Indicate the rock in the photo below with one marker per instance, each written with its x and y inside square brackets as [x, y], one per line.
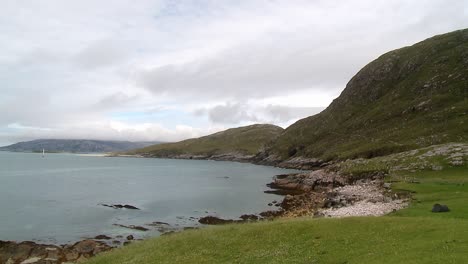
[127, 206]
[271, 214]
[157, 223]
[140, 228]
[130, 237]
[90, 248]
[85, 246]
[71, 255]
[440, 208]
[54, 253]
[387, 185]
[298, 183]
[15, 252]
[30, 252]
[249, 217]
[31, 260]
[102, 237]
[120, 206]
[213, 220]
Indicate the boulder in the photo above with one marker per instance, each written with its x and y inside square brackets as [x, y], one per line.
[440, 208]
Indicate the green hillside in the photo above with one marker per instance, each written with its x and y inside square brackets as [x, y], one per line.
[411, 235]
[246, 140]
[407, 98]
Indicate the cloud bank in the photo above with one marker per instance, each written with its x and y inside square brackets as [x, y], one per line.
[169, 70]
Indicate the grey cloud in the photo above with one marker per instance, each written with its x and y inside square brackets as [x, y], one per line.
[282, 114]
[230, 114]
[319, 54]
[67, 64]
[237, 113]
[115, 100]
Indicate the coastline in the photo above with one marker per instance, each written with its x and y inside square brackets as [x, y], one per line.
[319, 193]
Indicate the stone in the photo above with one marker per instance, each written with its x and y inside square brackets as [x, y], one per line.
[130, 237]
[31, 260]
[440, 208]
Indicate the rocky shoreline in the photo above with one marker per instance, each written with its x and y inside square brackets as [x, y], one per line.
[326, 193]
[28, 252]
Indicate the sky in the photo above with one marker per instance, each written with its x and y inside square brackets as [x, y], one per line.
[167, 70]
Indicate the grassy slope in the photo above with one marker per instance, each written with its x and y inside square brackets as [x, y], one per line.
[412, 235]
[411, 97]
[350, 240]
[246, 140]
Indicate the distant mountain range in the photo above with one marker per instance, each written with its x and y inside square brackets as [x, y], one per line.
[75, 146]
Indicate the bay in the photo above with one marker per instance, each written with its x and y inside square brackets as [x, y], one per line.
[57, 199]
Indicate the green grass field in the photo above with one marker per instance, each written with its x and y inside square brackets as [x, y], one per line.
[412, 235]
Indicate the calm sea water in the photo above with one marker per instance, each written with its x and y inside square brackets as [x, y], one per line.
[56, 199]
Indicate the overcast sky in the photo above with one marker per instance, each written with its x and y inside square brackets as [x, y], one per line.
[168, 70]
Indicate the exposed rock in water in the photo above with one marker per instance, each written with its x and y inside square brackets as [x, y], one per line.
[140, 228]
[30, 252]
[440, 208]
[158, 223]
[120, 206]
[130, 237]
[102, 237]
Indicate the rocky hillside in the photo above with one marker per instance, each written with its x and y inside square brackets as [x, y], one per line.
[74, 146]
[406, 99]
[233, 144]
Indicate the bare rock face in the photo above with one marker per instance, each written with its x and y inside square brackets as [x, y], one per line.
[301, 163]
[310, 181]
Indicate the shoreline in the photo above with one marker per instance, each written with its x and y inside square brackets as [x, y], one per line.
[318, 193]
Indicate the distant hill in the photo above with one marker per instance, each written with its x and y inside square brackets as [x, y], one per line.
[75, 146]
[232, 144]
[407, 98]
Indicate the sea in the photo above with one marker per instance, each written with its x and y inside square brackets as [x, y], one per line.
[58, 198]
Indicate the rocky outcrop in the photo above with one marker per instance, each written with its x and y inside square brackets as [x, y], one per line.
[301, 163]
[32, 253]
[310, 181]
[330, 193]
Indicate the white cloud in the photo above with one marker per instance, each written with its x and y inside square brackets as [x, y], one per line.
[69, 69]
